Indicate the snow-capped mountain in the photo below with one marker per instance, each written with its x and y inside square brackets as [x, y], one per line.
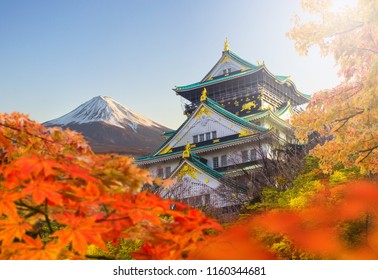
[109, 126]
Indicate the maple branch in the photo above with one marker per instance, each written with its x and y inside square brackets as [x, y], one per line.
[30, 134]
[35, 209]
[370, 150]
[360, 24]
[47, 218]
[112, 220]
[108, 214]
[98, 257]
[27, 132]
[346, 119]
[369, 50]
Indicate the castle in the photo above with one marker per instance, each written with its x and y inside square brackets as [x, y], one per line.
[237, 115]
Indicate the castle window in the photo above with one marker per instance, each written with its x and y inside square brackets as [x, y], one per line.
[197, 201]
[214, 134]
[167, 171]
[224, 160]
[160, 172]
[244, 155]
[204, 137]
[208, 136]
[215, 162]
[207, 199]
[253, 155]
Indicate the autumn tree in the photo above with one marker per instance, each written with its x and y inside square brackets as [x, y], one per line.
[58, 200]
[337, 222]
[347, 115]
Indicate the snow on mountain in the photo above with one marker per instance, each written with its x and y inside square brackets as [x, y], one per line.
[107, 110]
[110, 127]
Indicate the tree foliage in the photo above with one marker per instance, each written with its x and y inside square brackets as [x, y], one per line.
[346, 115]
[337, 223]
[57, 199]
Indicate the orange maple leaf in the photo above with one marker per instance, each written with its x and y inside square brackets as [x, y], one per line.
[7, 206]
[11, 228]
[80, 232]
[42, 190]
[35, 249]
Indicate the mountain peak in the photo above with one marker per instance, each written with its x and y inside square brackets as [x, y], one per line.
[104, 109]
[103, 97]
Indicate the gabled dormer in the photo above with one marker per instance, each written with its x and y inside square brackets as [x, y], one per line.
[195, 181]
[208, 124]
[229, 63]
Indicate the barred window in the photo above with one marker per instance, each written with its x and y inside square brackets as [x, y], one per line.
[214, 134]
[208, 136]
[160, 172]
[253, 154]
[215, 162]
[167, 171]
[244, 155]
[204, 136]
[224, 160]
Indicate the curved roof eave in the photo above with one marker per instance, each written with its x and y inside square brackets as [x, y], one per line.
[215, 81]
[280, 79]
[286, 79]
[267, 113]
[169, 156]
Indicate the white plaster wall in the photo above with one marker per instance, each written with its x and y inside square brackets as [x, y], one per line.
[220, 196]
[234, 154]
[204, 124]
[153, 168]
[286, 116]
[225, 65]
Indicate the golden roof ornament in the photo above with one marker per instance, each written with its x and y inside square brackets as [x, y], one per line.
[226, 45]
[186, 152]
[260, 63]
[203, 95]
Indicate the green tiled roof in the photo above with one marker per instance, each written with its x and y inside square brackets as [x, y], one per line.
[149, 157]
[169, 133]
[199, 164]
[196, 161]
[246, 168]
[268, 112]
[224, 78]
[282, 78]
[251, 68]
[256, 115]
[211, 172]
[282, 110]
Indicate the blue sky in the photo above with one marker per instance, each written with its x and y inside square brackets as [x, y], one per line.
[55, 55]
